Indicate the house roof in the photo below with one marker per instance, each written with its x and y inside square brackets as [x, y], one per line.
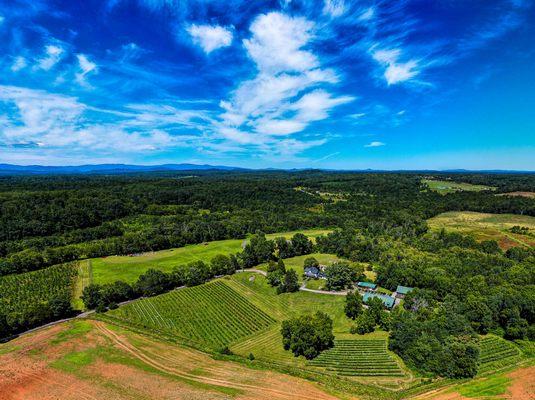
[367, 285]
[403, 289]
[387, 300]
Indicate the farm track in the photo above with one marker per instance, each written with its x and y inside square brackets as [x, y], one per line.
[151, 360]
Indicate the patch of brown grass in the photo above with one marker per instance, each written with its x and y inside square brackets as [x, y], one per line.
[138, 368]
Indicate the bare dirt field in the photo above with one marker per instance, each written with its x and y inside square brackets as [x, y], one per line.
[93, 360]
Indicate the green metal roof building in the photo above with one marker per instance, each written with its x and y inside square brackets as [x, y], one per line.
[367, 285]
[387, 300]
[403, 289]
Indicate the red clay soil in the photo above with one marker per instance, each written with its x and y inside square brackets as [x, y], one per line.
[168, 372]
[523, 386]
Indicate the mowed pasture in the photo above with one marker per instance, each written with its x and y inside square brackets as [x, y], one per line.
[445, 187]
[359, 357]
[129, 268]
[484, 226]
[212, 315]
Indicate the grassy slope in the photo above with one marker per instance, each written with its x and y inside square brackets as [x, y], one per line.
[445, 187]
[485, 226]
[109, 269]
[267, 345]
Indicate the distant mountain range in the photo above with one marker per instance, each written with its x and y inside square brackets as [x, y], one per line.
[10, 169]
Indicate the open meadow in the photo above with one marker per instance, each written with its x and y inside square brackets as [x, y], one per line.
[128, 268]
[445, 187]
[484, 226]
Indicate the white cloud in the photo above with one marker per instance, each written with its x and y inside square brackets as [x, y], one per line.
[396, 72]
[210, 37]
[2, 19]
[283, 98]
[58, 122]
[53, 54]
[18, 64]
[334, 8]
[367, 15]
[375, 144]
[277, 41]
[86, 67]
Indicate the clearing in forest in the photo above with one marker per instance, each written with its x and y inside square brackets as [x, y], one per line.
[129, 268]
[529, 195]
[445, 187]
[212, 315]
[484, 226]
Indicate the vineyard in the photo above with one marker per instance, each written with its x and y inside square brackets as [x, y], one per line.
[19, 293]
[367, 357]
[496, 352]
[212, 314]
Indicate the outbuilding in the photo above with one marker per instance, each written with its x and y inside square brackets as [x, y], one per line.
[367, 286]
[388, 301]
[401, 291]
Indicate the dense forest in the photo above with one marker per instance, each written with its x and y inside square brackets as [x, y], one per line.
[463, 287]
[49, 220]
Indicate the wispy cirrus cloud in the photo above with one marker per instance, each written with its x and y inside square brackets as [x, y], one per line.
[53, 54]
[86, 67]
[18, 63]
[55, 122]
[375, 144]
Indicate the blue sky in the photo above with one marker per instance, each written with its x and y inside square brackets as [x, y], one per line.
[334, 84]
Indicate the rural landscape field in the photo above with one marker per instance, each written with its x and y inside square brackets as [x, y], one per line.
[235, 292]
[267, 199]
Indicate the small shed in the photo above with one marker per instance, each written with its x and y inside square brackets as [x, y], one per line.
[386, 299]
[401, 291]
[367, 286]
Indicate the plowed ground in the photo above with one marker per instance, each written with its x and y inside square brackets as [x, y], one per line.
[105, 362]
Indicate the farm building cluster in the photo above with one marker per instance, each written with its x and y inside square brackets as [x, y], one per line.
[370, 290]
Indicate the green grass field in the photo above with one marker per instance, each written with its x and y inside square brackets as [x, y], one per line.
[359, 357]
[128, 268]
[212, 314]
[485, 226]
[297, 263]
[445, 187]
